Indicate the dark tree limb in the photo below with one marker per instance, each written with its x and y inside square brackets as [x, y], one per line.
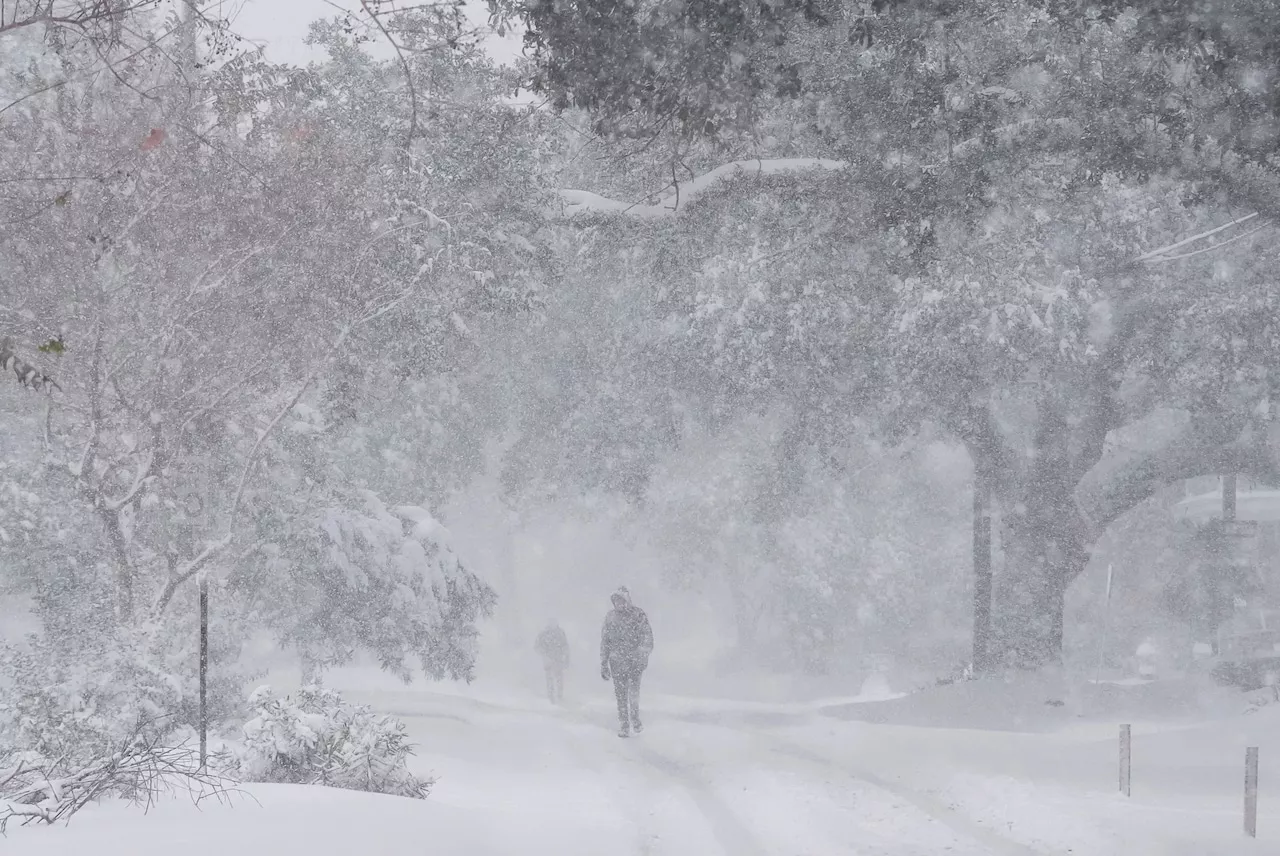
[1211, 443]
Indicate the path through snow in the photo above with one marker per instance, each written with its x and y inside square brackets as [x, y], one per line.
[679, 789]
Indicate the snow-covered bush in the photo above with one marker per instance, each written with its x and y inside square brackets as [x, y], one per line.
[1267, 696]
[77, 705]
[76, 702]
[316, 738]
[78, 724]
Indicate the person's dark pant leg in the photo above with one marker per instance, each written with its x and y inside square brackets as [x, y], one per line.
[621, 685]
[633, 697]
[551, 683]
[558, 683]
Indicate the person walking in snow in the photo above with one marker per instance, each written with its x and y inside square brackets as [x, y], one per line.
[626, 641]
[553, 646]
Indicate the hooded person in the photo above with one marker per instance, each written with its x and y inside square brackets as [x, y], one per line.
[553, 646]
[626, 641]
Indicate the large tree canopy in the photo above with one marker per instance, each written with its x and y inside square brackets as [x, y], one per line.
[999, 217]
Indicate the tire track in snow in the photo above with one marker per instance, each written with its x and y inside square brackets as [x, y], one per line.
[957, 822]
[733, 838]
[756, 725]
[831, 812]
[645, 836]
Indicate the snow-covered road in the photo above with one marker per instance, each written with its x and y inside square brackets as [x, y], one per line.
[709, 777]
[681, 788]
[750, 779]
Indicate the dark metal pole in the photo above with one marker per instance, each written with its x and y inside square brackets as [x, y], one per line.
[204, 671]
[981, 570]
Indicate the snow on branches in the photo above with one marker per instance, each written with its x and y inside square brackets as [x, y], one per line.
[27, 374]
[383, 580]
[578, 202]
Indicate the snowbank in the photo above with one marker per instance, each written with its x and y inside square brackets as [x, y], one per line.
[272, 820]
[1058, 792]
[1045, 703]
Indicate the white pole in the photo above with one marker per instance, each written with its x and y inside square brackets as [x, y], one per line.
[1126, 757]
[1106, 625]
[1251, 791]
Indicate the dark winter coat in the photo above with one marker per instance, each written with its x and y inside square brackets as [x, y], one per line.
[626, 640]
[553, 645]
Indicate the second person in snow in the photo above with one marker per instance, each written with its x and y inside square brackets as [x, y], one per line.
[553, 646]
[626, 641]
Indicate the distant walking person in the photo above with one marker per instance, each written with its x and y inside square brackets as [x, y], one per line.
[553, 646]
[626, 641]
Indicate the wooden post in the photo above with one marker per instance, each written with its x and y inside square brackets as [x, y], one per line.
[1229, 498]
[981, 570]
[204, 671]
[1251, 791]
[1126, 755]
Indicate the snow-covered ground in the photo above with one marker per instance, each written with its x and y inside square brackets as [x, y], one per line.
[710, 777]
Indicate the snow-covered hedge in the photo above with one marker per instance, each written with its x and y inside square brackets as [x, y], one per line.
[315, 737]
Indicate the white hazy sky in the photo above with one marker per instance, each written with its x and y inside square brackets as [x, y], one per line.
[281, 25]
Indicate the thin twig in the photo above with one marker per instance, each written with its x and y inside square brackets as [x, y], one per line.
[408, 74]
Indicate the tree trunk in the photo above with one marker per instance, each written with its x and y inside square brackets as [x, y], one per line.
[1041, 559]
[312, 673]
[746, 617]
[981, 571]
[124, 568]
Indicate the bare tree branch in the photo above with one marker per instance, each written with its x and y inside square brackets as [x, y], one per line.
[140, 768]
[78, 15]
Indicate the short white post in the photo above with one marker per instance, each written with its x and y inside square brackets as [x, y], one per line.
[1251, 791]
[1126, 754]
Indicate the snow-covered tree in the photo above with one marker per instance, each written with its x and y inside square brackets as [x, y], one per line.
[966, 240]
[372, 579]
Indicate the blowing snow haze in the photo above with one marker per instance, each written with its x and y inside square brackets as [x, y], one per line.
[685, 428]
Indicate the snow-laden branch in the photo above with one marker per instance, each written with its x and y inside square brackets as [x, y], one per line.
[189, 569]
[1161, 254]
[575, 202]
[578, 202]
[141, 477]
